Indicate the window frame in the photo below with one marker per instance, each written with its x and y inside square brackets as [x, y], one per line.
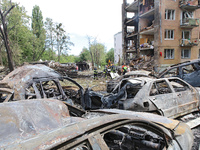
[184, 33]
[182, 53]
[168, 37]
[199, 53]
[171, 54]
[172, 14]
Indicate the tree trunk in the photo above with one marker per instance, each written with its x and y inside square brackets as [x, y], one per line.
[1, 61]
[6, 43]
[4, 33]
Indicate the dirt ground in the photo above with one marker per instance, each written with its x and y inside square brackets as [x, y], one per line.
[98, 85]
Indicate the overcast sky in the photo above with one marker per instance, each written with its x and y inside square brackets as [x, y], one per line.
[96, 18]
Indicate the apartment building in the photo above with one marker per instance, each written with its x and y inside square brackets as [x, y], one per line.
[118, 53]
[166, 30]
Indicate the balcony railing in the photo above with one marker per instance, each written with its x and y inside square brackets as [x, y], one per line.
[189, 5]
[189, 22]
[189, 42]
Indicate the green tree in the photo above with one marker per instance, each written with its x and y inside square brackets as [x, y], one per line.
[39, 32]
[5, 8]
[85, 55]
[99, 53]
[50, 37]
[20, 35]
[63, 41]
[71, 58]
[110, 55]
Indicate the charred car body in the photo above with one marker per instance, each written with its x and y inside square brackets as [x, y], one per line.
[170, 97]
[133, 74]
[189, 71]
[38, 82]
[51, 127]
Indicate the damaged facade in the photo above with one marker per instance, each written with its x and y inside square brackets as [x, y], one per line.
[164, 29]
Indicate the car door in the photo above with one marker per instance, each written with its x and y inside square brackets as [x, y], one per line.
[187, 96]
[163, 98]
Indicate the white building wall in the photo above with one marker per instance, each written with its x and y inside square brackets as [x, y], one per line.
[118, 48]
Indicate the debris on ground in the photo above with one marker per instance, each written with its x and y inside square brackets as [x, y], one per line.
[3, 72]
[145, 62]
[65, 69]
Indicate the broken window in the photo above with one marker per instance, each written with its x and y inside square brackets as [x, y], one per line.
[169, 34]
[43, 89]
[50, 88]
[160, 87]
[169, 54]
[187, 14]
[188, 69]
[4, 96]
[30, 93]
[169, 14]
[132, 90]
[172, 73]
[178, 85]
[187, 18]
[185, 53]
[70, 89]
[134, 136]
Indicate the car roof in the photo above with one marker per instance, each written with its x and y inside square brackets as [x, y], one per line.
[22, 76]
[26, 73]
[23, 119]
[139, 72]
[180, 65]
[139, 79]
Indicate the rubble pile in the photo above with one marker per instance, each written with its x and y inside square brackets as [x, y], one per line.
[65, 69]
[144, 62]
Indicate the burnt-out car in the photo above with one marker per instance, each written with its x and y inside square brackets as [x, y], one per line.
[132, 74]
[189, 71]
[170, 97]
[38, 82]
[46, 124]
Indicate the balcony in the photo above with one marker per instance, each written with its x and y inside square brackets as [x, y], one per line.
[132, 21]
[147, 46]
[148, 31]
[189, 5]
[133, 7]
[148, 13]
[189, 23]
[146, 7]
[189, 42]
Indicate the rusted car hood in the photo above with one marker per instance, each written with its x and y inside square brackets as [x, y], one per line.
[167, 122]
[24, 119]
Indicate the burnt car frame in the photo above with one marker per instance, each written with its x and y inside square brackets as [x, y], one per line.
[189, 71]
[38, 82]
[110, 85]
[51, 127]
[170, 97]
